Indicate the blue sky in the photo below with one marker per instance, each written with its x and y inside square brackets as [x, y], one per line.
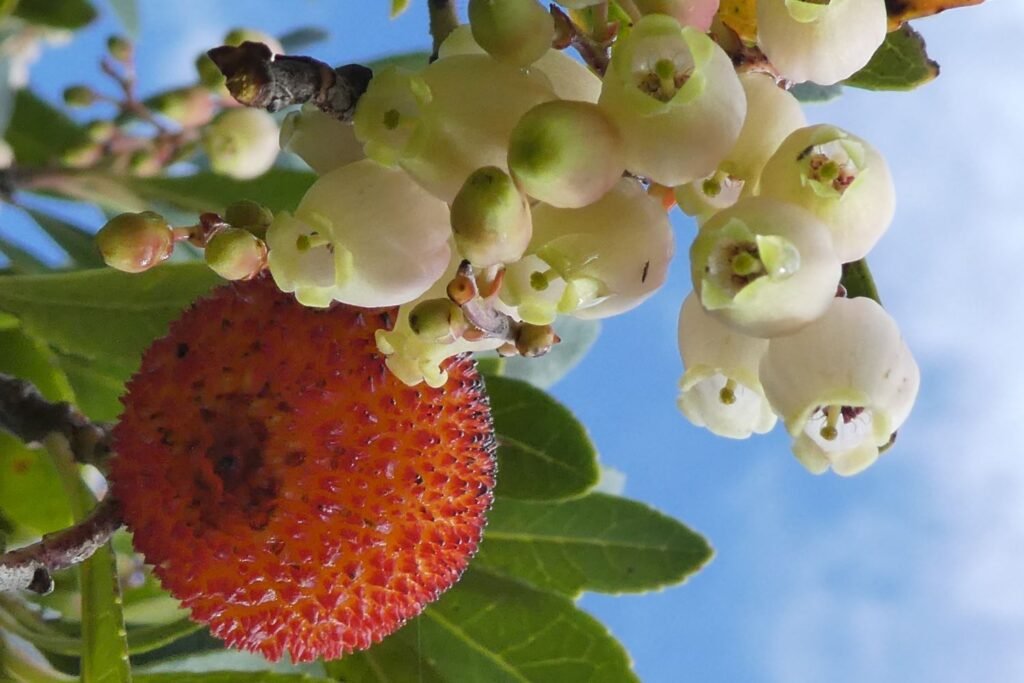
[908, 572]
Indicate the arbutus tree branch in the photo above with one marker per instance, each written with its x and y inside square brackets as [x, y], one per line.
[31, 567]
[256, 77]
[26, 414]
[443, 20]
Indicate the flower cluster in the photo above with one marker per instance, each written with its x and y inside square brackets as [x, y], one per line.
[506, 184]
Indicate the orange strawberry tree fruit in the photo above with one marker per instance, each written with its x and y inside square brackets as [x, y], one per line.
[297, 408]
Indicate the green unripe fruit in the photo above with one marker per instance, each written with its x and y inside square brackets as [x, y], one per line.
[518, 32]
[120, 48]
[247, 214]
[100, 131]
[135, 242]
[191, 107]
[566, 154]
[236, 254]
[491, 219]
[241, 143]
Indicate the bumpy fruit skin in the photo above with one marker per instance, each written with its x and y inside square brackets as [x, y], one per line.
[287, 488]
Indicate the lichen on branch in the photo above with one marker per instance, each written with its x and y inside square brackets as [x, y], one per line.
[256, 77]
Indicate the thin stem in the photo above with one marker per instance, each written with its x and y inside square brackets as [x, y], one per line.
[443, 20]
[30, 568]
[630, 8]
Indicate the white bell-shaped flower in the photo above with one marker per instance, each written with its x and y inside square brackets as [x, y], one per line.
[720, 388]
[764, 267]
[452, 118]
[843, 385]
[363, 234]
[319, 139]
[676, 99]
[601, 259]
[838, 177]
[570, 79]
[823, 42]
[241, 143]
[696, 13]
[772, 114]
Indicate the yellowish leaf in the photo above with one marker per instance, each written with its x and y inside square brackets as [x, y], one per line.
[398, 6]
[905, 10]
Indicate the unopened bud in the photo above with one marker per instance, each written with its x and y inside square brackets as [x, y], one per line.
[120, 48]
[491, 219]
[515, 31]
[566, 154]
[135, 242]
[100, 131]
[249, 215]
[437, 320]
[210, 76]
[191, 107]
[82, 155]
[535, 340]
[236, 254]
[79, 96]
[145, 163]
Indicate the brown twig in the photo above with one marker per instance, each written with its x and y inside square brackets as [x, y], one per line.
[31, 567]
[595, 53]
[443, 20]
[256, 77]
[30, 417]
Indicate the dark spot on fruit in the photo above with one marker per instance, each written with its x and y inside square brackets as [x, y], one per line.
[182, 350]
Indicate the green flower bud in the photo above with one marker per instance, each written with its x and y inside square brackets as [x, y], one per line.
[515, 31]
[120, 48]
[190, 107]
[249, 215]
[491, 219]
[535, 340]
[100, 131]
[134, 242]
[210, 76]
[566, 154]
[236, 254]
[241, 143]
[145, 163]
[437, 320]
[79, 96]
[82, 155]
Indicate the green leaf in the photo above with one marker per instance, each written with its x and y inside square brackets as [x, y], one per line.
[229, 677]
[220, 660]
[597, 543]
[149, 638]
[30, 490]
[858, 281]
[398, 7]
[69, 14]
[544, 453]
[22, 261]
[298, 39]
[21, 663]
[38, 132]
[577, 338]
[278, 190]
[79, 244]
[413, 61]
[128, 12]
[104, 314]
[390, 661]
[97, 384]
[489, 628]
[900, 63]
[812, 92]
